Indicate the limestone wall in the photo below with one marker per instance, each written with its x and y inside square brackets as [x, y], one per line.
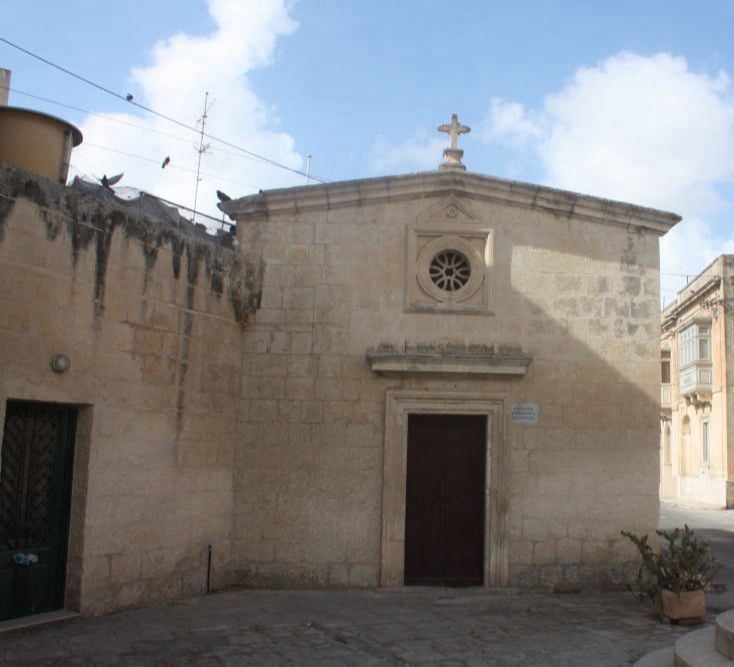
[226, 398]
[151, 318]
[579, 296]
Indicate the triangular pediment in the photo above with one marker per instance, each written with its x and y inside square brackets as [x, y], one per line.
[449, 211]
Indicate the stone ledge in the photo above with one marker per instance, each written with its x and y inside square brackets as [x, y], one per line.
[35, 620]
[371, 191]
[474, 360]
[724, 635]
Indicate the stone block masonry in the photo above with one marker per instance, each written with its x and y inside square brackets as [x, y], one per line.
[258, 400]
[153, 317]
[560, 312]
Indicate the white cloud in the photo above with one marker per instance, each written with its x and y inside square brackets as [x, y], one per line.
[687, 250]
[641, 129]
[182, 70]
[635, 128]
[510, 123]
[417, 154]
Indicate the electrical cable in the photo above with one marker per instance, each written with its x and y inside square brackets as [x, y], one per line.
[172, 166]
[129, 99]
[112, 119]
[106, 116]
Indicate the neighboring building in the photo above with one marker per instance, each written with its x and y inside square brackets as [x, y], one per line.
[434, 378]
[696, 455]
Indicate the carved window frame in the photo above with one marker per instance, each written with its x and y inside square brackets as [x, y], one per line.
[424, 243]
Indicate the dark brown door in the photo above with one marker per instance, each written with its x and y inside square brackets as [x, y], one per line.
[445, 498]
[35, 483]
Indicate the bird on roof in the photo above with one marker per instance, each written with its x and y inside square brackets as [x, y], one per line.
[166, 162]
[223, 197]
[112, 180]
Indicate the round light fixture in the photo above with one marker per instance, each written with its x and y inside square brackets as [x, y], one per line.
[60, 363]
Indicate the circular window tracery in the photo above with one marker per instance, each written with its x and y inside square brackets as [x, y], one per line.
[450, 270]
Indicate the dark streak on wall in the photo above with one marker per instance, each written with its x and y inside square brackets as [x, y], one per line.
[88, 220]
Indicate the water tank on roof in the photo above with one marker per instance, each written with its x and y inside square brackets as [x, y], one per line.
[37, 142]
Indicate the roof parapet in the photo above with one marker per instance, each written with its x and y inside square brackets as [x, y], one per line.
[328, 196]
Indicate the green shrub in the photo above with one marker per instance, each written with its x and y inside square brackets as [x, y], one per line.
[685, 563]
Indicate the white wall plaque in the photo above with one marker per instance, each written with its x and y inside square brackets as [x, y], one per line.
[525, 413]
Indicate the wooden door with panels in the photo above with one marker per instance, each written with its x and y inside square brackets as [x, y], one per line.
[445, 499]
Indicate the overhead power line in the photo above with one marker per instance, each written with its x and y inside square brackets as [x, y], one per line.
[129, 99]
[172, 166]
[113, 119]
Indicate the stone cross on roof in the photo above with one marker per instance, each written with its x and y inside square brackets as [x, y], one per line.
[454, 130]
[452, 156]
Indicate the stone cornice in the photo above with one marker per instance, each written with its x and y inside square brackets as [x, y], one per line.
[673, 312]
[329, 196]
[437, 360]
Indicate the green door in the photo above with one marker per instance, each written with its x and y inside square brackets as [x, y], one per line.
[35, 493]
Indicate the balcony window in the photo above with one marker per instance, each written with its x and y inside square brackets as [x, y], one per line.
[694, 351]
[704, 344]
[694, 344]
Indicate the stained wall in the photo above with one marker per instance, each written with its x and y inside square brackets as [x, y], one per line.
[152, 318]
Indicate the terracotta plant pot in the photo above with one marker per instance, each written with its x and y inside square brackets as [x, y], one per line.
[683, 606]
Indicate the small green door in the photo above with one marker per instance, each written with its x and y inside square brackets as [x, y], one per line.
[35, 492]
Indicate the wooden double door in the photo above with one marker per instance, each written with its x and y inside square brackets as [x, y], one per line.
[35, 484]
[445, 500]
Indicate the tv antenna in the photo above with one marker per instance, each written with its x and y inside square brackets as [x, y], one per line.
[203, 148]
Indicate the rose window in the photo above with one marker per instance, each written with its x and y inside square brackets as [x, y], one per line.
[450, 270]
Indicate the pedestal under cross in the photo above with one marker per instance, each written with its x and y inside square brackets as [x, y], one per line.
[453, 154]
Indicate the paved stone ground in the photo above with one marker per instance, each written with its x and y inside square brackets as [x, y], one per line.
[375, 627]
[378, 627]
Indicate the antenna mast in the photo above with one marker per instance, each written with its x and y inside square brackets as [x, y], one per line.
[203, 148]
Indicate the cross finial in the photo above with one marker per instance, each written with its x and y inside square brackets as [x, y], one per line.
[454, 129]
[454, 154]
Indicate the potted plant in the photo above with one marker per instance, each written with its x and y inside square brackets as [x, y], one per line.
[675, 577]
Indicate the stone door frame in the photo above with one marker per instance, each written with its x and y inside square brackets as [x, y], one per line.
[399, 404]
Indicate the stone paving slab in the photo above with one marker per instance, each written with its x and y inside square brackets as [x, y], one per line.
[423, 626]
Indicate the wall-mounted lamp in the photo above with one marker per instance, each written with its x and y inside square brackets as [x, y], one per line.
[60, 363]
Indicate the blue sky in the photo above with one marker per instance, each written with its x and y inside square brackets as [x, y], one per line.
[627, 100]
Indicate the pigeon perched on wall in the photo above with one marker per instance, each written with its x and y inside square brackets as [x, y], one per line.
[112, 180]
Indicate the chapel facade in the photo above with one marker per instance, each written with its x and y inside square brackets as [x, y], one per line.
[436, 378]
[395, 308]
